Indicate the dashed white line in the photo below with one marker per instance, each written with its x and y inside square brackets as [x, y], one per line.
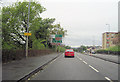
[108, 79]
[84, 62]
[28, 78]
[93, 68]
[79, 58]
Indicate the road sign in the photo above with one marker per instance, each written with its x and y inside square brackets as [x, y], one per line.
[27, 34]
[56, 41]
[58, 38]
[52, 36]
[58, 35]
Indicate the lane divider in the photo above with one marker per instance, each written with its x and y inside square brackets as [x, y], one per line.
[108, 79]
[79, 58]
[85, 62]
[93, 68]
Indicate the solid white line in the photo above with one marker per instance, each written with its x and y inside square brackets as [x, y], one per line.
[85, 62]
[93, 68]
[52, 61]
[108, 79]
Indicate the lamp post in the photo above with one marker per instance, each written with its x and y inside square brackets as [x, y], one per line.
[27, 31]
[108, 27]
[56, 34]
[109, 35]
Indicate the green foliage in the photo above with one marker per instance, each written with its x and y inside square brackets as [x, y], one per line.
[113, 48]
[67, 47]
[38, 45]
[61, 49]
[82, 48]
[15, 24]
[8, 46]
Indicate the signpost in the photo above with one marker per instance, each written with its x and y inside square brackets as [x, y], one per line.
[27, 34]
[57, 40]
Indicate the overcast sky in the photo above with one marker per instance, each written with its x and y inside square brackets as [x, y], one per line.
[85, 20]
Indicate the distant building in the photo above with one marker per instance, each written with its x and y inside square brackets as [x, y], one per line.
[108, 38]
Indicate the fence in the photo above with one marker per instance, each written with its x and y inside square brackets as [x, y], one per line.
[10, 55]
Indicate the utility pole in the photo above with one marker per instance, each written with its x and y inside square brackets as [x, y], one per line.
[27, 31]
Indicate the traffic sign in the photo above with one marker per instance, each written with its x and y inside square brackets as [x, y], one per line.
[58, 35]
[58, 38]
[52, 36]
[56, 41]
[27, 34]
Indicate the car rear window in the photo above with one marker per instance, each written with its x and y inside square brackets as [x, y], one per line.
[69, 50]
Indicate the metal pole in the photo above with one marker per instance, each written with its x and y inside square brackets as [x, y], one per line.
[27, 31]
[108, 31]
[108, 27]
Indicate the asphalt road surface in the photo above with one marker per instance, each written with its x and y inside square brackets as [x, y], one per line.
[81, 67]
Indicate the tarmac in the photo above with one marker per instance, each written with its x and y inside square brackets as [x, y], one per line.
[15, 70]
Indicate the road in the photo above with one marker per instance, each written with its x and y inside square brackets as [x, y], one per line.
[81, 67]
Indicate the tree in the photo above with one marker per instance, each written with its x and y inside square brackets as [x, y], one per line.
[82, 48]
[15, 21]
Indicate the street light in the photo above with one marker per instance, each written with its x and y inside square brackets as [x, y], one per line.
[27, 31]
[108, 27]
[109, 36]
[57, 28]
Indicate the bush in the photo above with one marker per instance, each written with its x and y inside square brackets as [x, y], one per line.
[38, 45]
[106, 51]
[113, 48]
[61, 49]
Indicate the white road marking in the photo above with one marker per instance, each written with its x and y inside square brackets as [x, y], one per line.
[79, 58]
[35, 73]
[33, 76]
[52, 61]
[84, 62]
[28, 78]
[108, 79]
[93, 68]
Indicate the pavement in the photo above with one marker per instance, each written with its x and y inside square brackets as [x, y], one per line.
[110, 58]
[17, 69]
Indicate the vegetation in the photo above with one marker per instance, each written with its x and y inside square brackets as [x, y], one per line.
[81, 49]
[114, 48]
[111, 50]
[0, 31]
[14, 25]
[61, 49]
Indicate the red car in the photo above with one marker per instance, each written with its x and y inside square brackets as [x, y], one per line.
[69, 53]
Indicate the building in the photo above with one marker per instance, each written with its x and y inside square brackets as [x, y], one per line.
[107, 39]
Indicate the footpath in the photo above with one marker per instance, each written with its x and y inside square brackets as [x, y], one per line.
[17, 69]
[106, 57]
